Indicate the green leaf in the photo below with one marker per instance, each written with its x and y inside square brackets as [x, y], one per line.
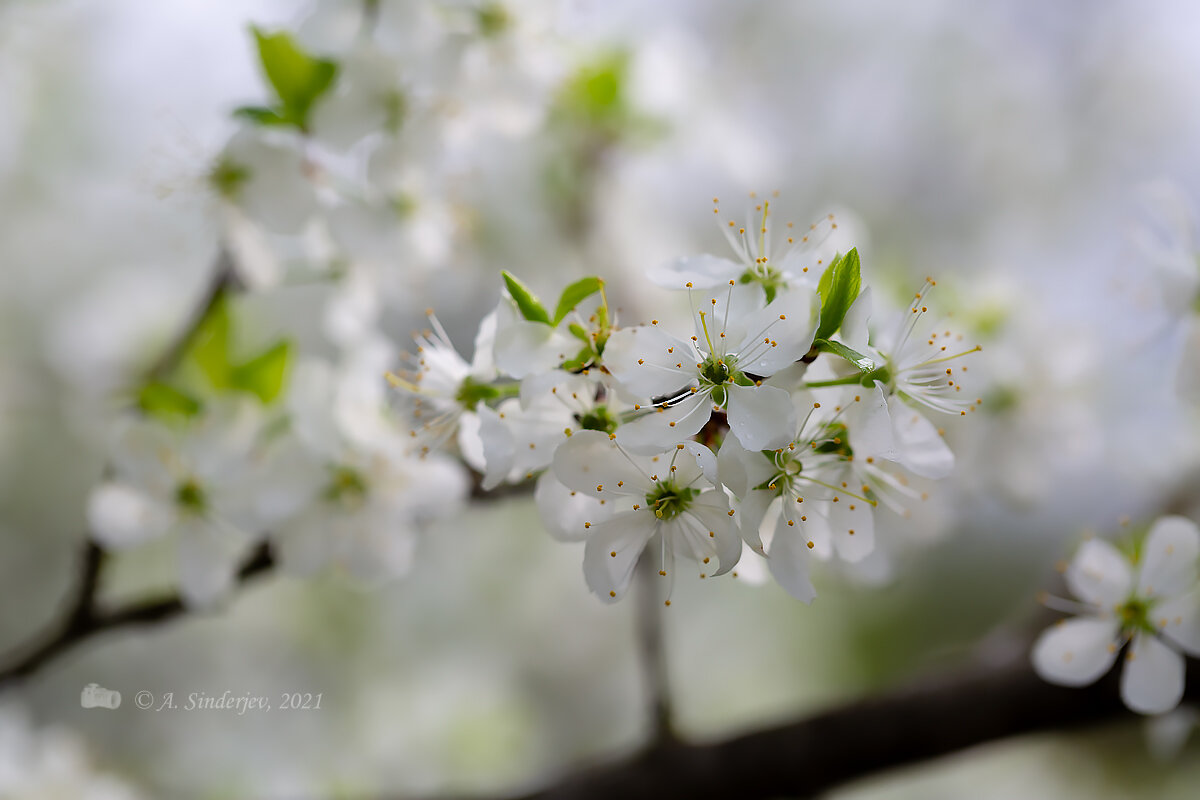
[298, 78]
[531, 308]
[209, 346]
[839, 288]
[264, 375]
[856, 358]
[160, 400]
[574, 294]
[261, 115]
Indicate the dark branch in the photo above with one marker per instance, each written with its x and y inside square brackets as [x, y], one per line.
[810, 756]
[84, 620]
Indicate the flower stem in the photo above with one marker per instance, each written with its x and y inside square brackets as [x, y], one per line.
[834, 382]
[651, 651]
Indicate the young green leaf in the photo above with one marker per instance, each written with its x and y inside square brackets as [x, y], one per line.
[265, 374]
[574, 294]
[839, 288]
[531, 308]
[864, 363]
[298, 78]
[209, 345]
[161, 400]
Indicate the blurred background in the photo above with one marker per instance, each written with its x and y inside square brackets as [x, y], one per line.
[1038, 159]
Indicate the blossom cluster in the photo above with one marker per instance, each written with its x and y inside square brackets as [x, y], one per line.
[1150, 603]
[780, 420]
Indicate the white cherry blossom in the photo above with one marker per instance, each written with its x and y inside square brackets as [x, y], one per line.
[770, 255]
[671, 496]
[1153, 606]
[207, 484]
[721, 368]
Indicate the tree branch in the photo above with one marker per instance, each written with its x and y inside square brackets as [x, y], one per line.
[913, 725]
[84, 620]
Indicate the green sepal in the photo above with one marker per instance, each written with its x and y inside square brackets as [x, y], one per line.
[531, 308]
[574, 294]
[863, 363]
[838, 288]
[264, 376]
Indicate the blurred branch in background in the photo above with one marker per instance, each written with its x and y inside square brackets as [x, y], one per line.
[84, 619]
[932, 718]
[651, 648]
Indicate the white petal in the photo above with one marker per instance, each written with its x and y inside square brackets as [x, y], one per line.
[650, 362]
[789, 322]
[1152, 682]
[921, 448]
[854, 331]
[208, 559]
[1100, 575]
[626, 535]
[567, 513]
[852, 523]
[761, 417]
[276, 193]
[499, 450]
[716, 532]
[310, 397]
[750, 513]
[704, 461]
[1077, 651]
[702, 272]
[660, 428]
[870, 425]
[741, 469]
[789, 560]
[122, 516]
[1169, 557]
[1178, 619]
[483, 363]
[143, 452]
[525, 347]
[590, 462]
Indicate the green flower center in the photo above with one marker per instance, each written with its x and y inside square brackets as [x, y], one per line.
[834, 440]
[189, 495]
[598, 419]
[669, 500]
[1135, 615]
[493, 19]
[716, 372]
[770, 279]
[228, 177]
[471, 392]
[346, 485]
